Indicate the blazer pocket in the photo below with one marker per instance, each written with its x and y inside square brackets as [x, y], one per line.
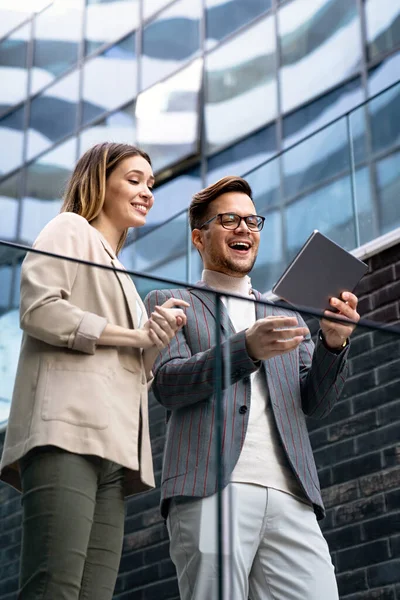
[76, 396]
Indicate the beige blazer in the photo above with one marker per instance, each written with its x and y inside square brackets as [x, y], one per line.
[68, 391]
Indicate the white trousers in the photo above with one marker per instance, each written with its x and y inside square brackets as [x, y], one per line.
[273, 547]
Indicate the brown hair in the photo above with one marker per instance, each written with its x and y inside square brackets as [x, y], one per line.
[199, 206]
[86, 188]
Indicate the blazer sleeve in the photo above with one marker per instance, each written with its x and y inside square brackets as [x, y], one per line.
[46, 312]
[322, 375]
[181, 378]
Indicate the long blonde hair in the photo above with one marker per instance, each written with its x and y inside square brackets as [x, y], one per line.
[86, 189]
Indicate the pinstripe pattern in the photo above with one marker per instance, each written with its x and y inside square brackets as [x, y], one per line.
[306, 381]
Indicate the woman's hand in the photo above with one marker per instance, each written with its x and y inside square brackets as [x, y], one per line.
[165, 321]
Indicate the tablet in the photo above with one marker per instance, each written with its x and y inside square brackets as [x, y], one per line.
[321, 270]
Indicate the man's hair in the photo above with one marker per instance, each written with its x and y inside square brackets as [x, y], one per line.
[199, 206]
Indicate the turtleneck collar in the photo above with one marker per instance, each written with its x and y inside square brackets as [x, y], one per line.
[226, 283]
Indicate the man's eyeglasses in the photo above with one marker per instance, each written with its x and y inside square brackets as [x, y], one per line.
[232, 221]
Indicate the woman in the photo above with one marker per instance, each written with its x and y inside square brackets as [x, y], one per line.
[78, 438]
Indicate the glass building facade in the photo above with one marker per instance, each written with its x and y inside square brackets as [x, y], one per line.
[299, 96]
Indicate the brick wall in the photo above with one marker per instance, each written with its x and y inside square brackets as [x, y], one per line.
[357, 450]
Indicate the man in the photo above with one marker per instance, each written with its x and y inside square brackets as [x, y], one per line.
[276, 550]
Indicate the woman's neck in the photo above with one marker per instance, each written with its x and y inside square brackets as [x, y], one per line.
[107, 230]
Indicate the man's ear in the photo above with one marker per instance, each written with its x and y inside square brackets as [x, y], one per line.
[197, 239]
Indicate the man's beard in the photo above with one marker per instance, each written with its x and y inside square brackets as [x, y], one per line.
[226, 264]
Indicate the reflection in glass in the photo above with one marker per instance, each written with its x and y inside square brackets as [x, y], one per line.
[45, 182]
[109, 80]
[384, 113]
[265, 185]
[10, 19]
[384, 75]
[225, 16]
[383, 25]
[9, 194]
[53, 114]
[170, 41]
[5, 287]
[269, 264]
[58, 31]
[168, 117]
[109, 20]
[243, 156]
[320, 46]
[120, 127]
[13, 72]
[311, 117]
[12, 138]
[150, 7]
[241, 85]
[388, 180]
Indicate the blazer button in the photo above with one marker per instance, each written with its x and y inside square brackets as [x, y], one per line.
[243, 410]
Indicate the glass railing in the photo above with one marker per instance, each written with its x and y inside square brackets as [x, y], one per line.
[202, 387]
[343, 180]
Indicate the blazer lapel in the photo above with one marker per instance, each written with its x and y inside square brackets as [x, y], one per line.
[262, 310]
[209, 300]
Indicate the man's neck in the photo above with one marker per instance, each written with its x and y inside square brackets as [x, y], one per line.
[226, 283]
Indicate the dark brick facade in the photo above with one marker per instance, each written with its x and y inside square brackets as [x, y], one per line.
[357, 450]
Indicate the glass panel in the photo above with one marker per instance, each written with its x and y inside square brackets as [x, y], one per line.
[388, 182]
[5, 286]
[265, 184]
[53, 114]
[320, 46]
[168, 117]
[45, 182]
[108, 20]
[384, 75]
[242, 157]
[118, 68]
[308, 119]
[117, 127]
[241, 74]
[383, 25]
[269, 265]
[9, 203]
[13, 72]
[170, 41]
[58, 32]
[225, 16]
[12, 138]
[384, 113]
[10, 19]
[150, 7]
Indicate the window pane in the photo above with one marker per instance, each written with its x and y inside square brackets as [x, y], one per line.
[265, 184]
[108, 20]
[11, 19]
[5, 287]
[150, 7]
[320, 46]
[45, 183]
[9, 194]
[384, 75]
[53, 114]
[383, 25]
[167, 117]
[13, 72]
[388, 179]
[225, 16]
[12, 138]
[269, 264]
[118, 127]
[58, 32]
[384, 113]
[244, 156]
[304, 121]
[241, 85]
[170, 41]
[117, 67]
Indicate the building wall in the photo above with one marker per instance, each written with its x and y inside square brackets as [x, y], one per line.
[357, 452]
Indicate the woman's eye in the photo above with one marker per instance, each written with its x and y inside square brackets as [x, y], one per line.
[133, 181]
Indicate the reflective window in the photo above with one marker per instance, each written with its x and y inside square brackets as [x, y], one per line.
[241, 85]
[383, 25]
[364, 207]
[265, 185]
[108, 20]
[384, 113]
[384, 75]
[5, 286]
[167, 117]
[10, 19]
[12, 138]
[311, 117]
[120, 127]
[53, 114]
[243, 156]
[225, 16]
[150, 7]
[58, 31]
[170, 40]
[320, 46]
[9, 194]
[109, 80]
[270, 264]
[13, 72]
[45, 183]
[388, 180]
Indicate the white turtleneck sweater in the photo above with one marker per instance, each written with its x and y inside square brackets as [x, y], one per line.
[262, 460]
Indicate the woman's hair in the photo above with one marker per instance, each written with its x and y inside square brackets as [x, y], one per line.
[200, 204]
[86, 189]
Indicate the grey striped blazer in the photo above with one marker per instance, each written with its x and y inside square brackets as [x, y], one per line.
[307, 381]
